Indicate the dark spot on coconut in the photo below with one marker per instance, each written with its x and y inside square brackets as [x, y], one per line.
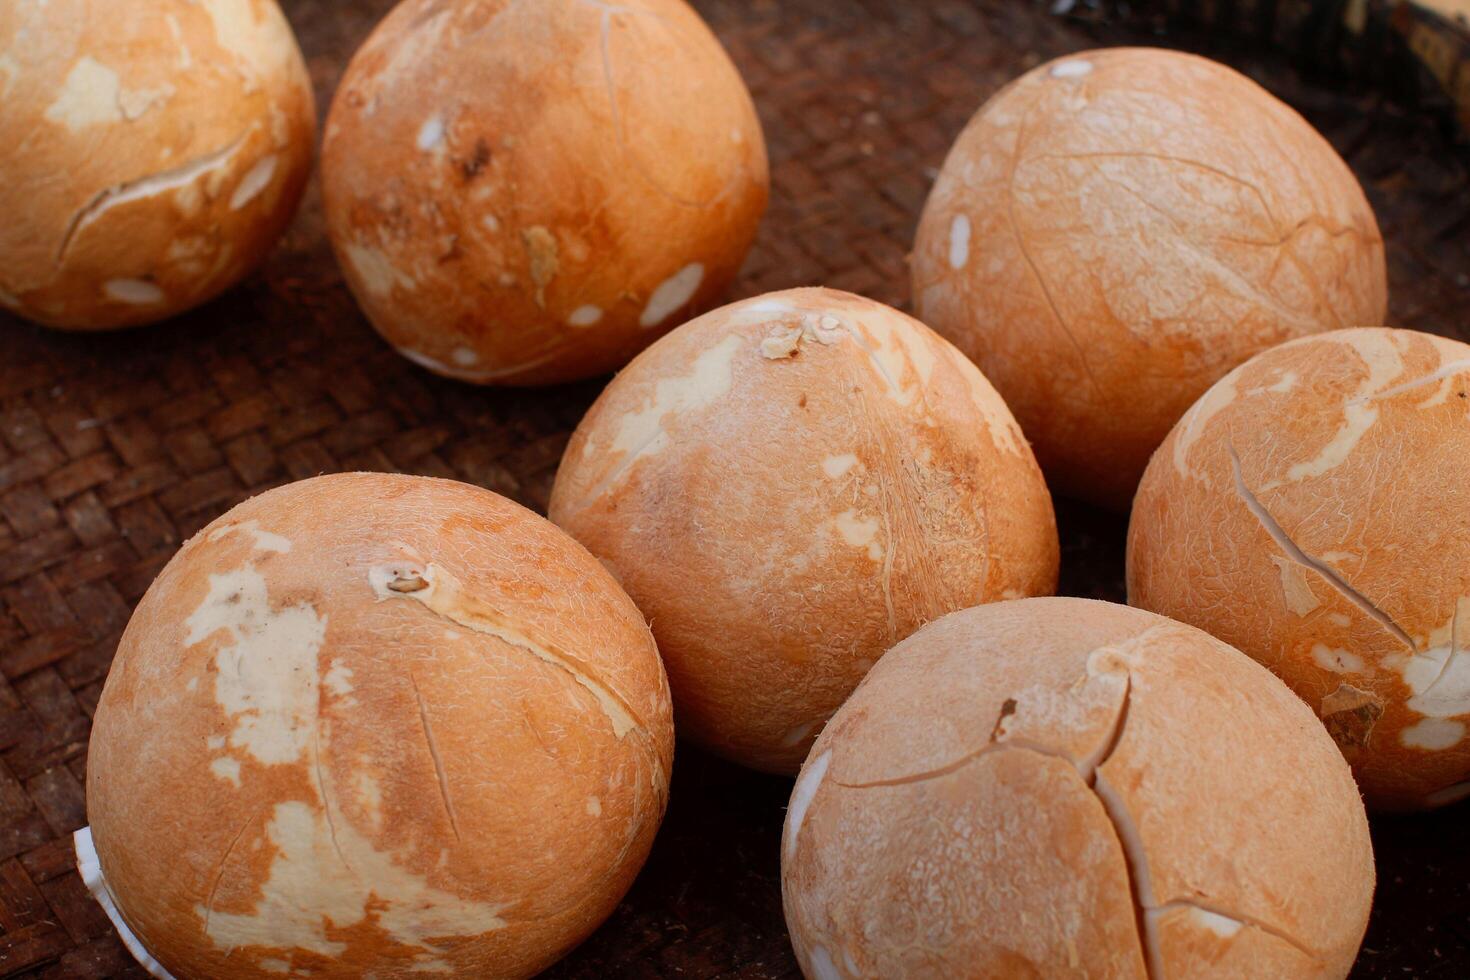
[1007, 708]
[471, 167]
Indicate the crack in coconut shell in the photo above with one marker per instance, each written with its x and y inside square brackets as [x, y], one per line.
[1147, 908]
[145, 186]
[1293, 551]
[1444, 371]
[220, 874]
[321, 782]
[443, 595]
[434, 751]
[605, 32]
[1026, 254]
[1449, 660]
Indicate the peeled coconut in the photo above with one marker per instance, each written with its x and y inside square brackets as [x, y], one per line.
[1116, 230]
[1063, 787]
[789, 485]
[156, 149]
[372, 725]
[1313, 509]
[527, 193]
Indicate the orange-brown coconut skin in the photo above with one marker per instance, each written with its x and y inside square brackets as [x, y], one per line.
[1116, 230]
[1313, 509]
[317, 751]
[528, 193]
[789, 485]
[1069, 788]
[154, 152]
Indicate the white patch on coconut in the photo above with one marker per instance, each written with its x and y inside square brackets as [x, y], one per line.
[762, 307]
[1337, 661]
[1439, 676]
[959, 241]
[327, 875]
[89, 96]
[1359, 413]
[836, 466]
[227, 769]
[256, 179]
[1071, 68]
[376, 272]
[860, 532]
[266, 668]
[593, 807]
[708, 381]
[431, 134]
[490, 222]
[671, 294]
[338, 679]
[1221, 925]
[263, 540]
[136, 292]
[464, 356]
[802, 794]
[1433, 734]
[585, 316]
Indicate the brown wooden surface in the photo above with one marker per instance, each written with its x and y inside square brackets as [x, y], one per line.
[113, 449]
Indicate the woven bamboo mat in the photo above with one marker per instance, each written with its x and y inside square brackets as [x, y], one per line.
[115, 448]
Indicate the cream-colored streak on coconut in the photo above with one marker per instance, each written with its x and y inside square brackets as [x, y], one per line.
[576, 187]
[1318, 526]
[787, 486]
[1113, 232]
[323, 674]
[145, 186]
[1053, 787]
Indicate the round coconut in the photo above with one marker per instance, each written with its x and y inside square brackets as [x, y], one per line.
[528, 193]
[1313, 509]
[789, 485]
[1116, 230]
[157, 150]
[1063, 787]
[373, 725]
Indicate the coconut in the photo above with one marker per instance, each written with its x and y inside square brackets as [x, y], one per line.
[527, 193]
[376, 725]
[1313, 509]
[1116, 230]
[159, 149]
[789, 485]
[1063, 787]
